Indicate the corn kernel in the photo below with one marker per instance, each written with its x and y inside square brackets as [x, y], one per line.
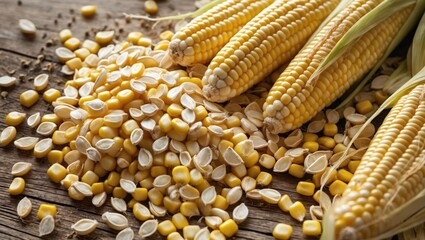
[339, 148]
[50, 95]
[88, 11]
[104, 37]
[189, 209]
[231, 180]
[310, 137]
[145, 42]
[352, 166]
[166, 35]
[90, 178]
[190, 231]
[151, 7]
[254, 171]
[285, 203]
[220, 202]
[264, 179]
[181, 175]
[134, 37]
[330, 129]
[217, 235]
[312, 228]
[344, 175]
[179, 220]
[166, 227]
[97, 188]
[172, 205]
[74, 63]
[55, 156]
[267, 161]
[14, 118]
[118, 192]
[82, 53]
[175, 236]
[311, 146]
[297, 211]
[305, 188]
[326, 142]
[337, 187]
[29, 98]
[296, 170]
[56, 172]
[140, 194]
[92, 46]
[200, 113]
[228, 228]
[64, 35]
[17, 186]
[282, 231]
[69, 180]
[364, 107]
[72, 43]
[45, 210]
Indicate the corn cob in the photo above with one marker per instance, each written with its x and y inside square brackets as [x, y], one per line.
[391, 173]
[204, 36]
[270, 39]
[295, 99]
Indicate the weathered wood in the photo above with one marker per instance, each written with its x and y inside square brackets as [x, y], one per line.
[15, 47]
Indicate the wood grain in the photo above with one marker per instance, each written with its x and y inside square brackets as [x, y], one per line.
[15, 47]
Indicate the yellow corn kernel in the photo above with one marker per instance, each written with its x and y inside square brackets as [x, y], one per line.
[45, 210]
[380, 96]
[252, 159]
[155, 196]
[231, 180]
[344, 175]
[305, 188]
[51, 94]
[105, 95]
[140, 194]
[72, 44]
[113, 179]
[82, 53]
[280, 152]
[64, 35]
[267, 161]
[337, 187]
[74, 63]
[74, 194]
[128, 126]
[364, 107]
[172, 205]
[311, 146]
[17, 186]
[296, 170]
[158, 171]
[220, 202]
[108, 188]
[151, 7]
[59, 138]
[330, 129]
[92, 46]
[69, 180]
[90, 178]
[88, 11]
[228, 228]
[141, 212]
[166, 35]
[181, 174]
[8, 134]
[175, 236]
[285, 203]
[131, 203]
[55, 156]
[179, 220]
[339, 148]
[264, 179]
[200, 113]
[237, 138]
[118, 192]
[189, 209]
[145, 42]
[147, 183]
[217, 235]
[297, 211]
[104, 37]
[282, 231]
[125, 96]
[332, 176]
[14, 118]
[56, 172]
[134, 37]
[97, 188]
[166, 227]
[352, 166]
[310, 137]
[29, 98]
[108, 132]
[254, 171]
[312, 228]
[326, 142]
[190, 231]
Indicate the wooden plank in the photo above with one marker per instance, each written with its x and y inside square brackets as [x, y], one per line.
[14, 47]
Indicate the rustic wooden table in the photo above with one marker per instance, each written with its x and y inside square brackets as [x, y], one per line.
[50, 16]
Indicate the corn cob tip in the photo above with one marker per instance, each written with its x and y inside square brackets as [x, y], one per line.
[215, 88]
[273, 125]
[211, 93]
[180, 52]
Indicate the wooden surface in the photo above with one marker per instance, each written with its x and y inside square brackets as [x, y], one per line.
[14, 48]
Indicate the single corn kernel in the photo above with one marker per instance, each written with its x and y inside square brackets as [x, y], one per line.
[181, 174]
[337, 187]
[29, 98]
[310, 137]
[55, 156]
[297, 211]
[166, 35]
[90, 178]
[69, 180]
[7, 136]
[267, 161]
[92, 46]
[166, 227]
[175, 236]
[64, 35]
[14, 118]
[151, 7]
[285, 203]
[217, 235]
[326, 142]
[145, 42]
[228, 228]
[330, 129]
[344, 175]
[45, 210]
[134, 37]
[72, 43]
[339, 148]
[118, 192]
[220, 202]
[50, 95]
[282, 231]
[296, 170]
[74, 63]
[305, 188]
[140, 194]
[312, 228]
[97, 188]
[190, 231]
[88, 11]
[179, 220]
[17, 186]
[56, 172]
[104, 37]
[264, 179]
[232, 180]
[364, 107]
[311, 146]
[352, 166]
[82, 53]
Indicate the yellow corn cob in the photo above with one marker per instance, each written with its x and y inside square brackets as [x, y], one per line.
[294, 99]
[391, 173]
[270, 39]
[204, 36]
